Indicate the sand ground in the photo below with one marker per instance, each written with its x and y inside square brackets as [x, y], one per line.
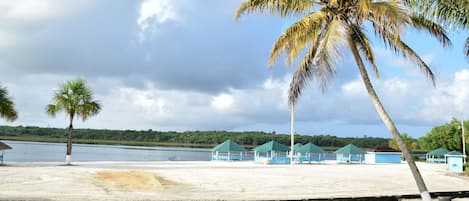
[214, 180]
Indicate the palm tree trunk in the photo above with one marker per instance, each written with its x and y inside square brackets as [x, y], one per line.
[390, 124]
[68, 157]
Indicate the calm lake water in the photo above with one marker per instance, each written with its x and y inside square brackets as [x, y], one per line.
[55, 152]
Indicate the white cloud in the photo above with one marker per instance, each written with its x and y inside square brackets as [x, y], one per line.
[410, 102]
[222, 101]
[449, 100]
[154, 13]
[22, 18]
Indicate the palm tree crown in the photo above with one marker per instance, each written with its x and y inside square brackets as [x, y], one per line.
[329, 26]
[75, 99]
[7, 107]
[452, 13]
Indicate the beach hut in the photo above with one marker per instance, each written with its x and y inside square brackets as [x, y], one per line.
[272, 153]
[3, 147]
[350, 154]
[383, 155]
[310, 152]
[297, 146]
[455, 161]
[437, 156]
[228, 150]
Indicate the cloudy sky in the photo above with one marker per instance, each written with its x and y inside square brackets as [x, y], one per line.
[187, 65]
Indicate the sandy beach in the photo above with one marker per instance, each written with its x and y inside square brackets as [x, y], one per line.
[214, 180]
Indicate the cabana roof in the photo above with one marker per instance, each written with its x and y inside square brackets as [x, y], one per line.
[229, 146]
[350, 149]
[310, 148]
[454, 153]
[4, 146]
[271, 146]
[438, 152]
[297, 146]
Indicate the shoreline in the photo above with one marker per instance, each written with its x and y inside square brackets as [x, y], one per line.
[216, 181]
[105, 142]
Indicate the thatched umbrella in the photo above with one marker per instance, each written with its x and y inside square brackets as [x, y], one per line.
[3, 147]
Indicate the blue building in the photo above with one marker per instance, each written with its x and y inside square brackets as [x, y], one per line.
[383, 155]
[455, 161]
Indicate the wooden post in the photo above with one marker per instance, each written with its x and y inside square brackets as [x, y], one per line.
[463, 142]
[292, 132]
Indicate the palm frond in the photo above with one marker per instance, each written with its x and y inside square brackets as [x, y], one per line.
[281, 7]
[320, 60]
[436, 30]
[401, 48]
[7, 107]
[297, 36]
[74, 98]
[364, 46]
[466, 48]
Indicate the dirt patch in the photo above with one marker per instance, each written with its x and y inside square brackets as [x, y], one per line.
[132, 180]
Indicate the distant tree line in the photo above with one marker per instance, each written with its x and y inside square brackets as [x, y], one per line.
[448, 136]
[247, 138]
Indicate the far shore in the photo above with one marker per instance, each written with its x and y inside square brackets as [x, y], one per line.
[105, 142]
[167, 180]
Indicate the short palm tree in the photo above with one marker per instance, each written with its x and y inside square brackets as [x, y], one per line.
[7, 107]
[76, 100]
[328, 28]
[452, 13]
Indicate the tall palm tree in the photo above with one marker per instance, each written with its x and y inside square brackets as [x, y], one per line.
[76, 100]
[328, 27]
[452, 13]
[7, 107]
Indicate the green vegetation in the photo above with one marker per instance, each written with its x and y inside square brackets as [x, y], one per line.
[76, 100]
[7, 107]
[171, 138]
[446, 136]
[326, 30]
[454, 14]
[411, 143]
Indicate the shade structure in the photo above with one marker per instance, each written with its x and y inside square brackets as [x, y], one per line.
[228, 150]
[350, 149]
[437, 156]
[3, 147]
[438, 152]
[350, 154]
[272, 146]
[309, 153]
[454, 153]
[272, 153]
[310, 148]
[229, 146]
[297, 146]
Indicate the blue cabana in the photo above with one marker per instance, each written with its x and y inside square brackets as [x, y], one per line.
[272, 153]
[228, 150]
[350, 154]
[437, 156]
[309, 153]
